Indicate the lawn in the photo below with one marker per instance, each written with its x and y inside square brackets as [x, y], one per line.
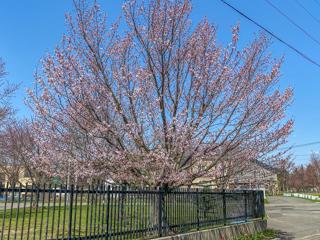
[89, 220]
[315, 194]
[44, 222]
[134, 213]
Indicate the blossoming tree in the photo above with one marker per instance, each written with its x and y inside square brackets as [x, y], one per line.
[6, 91]
[157, 102]
[7, 168]
[17, 149]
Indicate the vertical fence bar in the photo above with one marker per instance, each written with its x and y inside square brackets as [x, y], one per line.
[184, 211]
[48, 212]
[87, 211]
[142, 213]
[17, 212]
[224, 206]
[160, 206]
[108, 212]
[101, 192]
[190, 213]
[64, 210]
[245, 205]
[117, 202]
[75, 211]
[114, 208]
[175, 207]
[141, 209]
[70, 212]
[149, 208]
[11, 208]
[130, 214]
[262, 205]
[198, 210]
[135, 212]
[30, 212]
[151, 201]
[59, 212]
[53, 210]
[4, 210]
[103, 196]
[80, 217]
[37, 209]
[24, 210]
[95, 209]
[42, 209]
[178, 204]
[121, 197]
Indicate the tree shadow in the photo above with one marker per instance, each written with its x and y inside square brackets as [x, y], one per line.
[284, 236]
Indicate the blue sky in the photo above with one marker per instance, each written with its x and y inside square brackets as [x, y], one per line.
[30, 29]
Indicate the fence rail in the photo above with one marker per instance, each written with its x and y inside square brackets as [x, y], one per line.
[118, 212]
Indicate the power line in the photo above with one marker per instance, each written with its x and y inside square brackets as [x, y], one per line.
[292, 22]
[300, 145]
[302, 155]
[306, 144]
[307, 11]
[272, 34]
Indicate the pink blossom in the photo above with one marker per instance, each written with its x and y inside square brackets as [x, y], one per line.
[160, 104]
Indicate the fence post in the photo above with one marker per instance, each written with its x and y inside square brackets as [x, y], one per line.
[108, 212]
[262, 203]
[160, 206]
[245, 206]
[70, 212]
[224, 207]
[198, 210]
[5, 208]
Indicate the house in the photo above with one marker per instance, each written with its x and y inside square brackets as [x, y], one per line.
[2, 179]
[255, 175]
[22, 178]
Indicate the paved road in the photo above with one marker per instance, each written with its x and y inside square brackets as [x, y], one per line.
[297, 218]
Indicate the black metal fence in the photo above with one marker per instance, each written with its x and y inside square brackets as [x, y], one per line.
[115, 212]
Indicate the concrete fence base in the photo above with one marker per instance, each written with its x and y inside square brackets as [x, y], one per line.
[302, 195]
[222, 233]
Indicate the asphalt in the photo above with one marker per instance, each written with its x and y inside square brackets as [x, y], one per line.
[295, 218]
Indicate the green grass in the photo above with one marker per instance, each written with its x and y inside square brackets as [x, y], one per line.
[315, 194]
[52, 222]
[43, 219]
[265, 235]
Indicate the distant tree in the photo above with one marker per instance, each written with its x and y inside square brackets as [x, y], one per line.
[298, 179]
[6, 91]
[17, 152]
[160, 103]
[284, 169]
[306, 178]
[6, 111]
[10, 164]
[313, 172]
